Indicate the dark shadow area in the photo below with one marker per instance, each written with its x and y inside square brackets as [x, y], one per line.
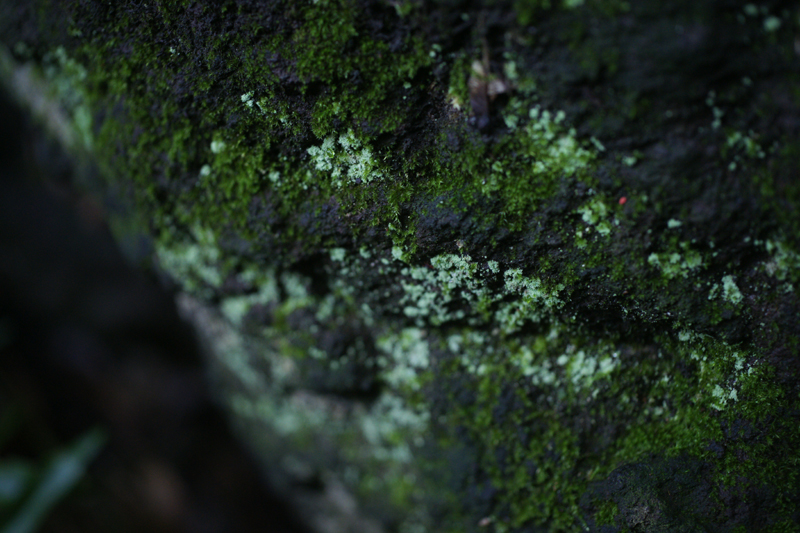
[88, 341]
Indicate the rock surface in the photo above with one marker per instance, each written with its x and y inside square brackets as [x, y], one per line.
[529, 267]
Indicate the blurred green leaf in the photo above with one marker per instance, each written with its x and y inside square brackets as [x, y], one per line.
[61, 475]
[16, 476]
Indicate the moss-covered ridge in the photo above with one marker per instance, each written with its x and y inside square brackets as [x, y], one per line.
[578, 299]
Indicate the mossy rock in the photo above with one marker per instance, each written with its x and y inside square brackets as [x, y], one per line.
[527, 267]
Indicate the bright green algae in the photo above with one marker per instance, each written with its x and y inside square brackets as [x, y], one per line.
[470, 362]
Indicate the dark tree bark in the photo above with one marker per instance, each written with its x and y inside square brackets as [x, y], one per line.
[524, 266]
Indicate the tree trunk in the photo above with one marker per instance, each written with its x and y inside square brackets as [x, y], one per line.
[529, 266]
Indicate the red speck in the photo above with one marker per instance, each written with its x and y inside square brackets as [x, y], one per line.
[622, 200]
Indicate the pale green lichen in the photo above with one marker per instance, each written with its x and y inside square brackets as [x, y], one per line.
[296, 288]
[595, 214]
[393, 429]
[784, 263]
[721, 374]
[55, 92]
[712, 293]
[430, 292]
[542, 360]
[408, 354]
[541, 371]
[630, 160]
[337, 254]
[235, 308]
[593, 211]
[351, 162]
[547, 145]
[217, 146]
[584, 367]
[772, 24]
[730, 291]
[739, 145]
[535, 301]
[673, 223]
[68, 78]
[674, 264]
[398, 253]
[558, 146]
[379, 437]
[196, 263]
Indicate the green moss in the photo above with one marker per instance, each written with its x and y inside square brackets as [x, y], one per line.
[529, 11]
[236, 166]
[780, 194]
[606, 513]
[535, 470]
[548, 157]
[329, 48]
[550, 372]
[279, 153]
[458, 91]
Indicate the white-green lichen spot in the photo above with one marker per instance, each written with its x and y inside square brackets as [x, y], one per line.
[784, 264]
[584, 367]
[674, 264]
[235, 308]
[721, 397]
[345, 160]
[772, 24]
[217, 146]
[594, 213]
[730, 291]
[407, 354]
[337, 254]
[553, 146]
[196, 264]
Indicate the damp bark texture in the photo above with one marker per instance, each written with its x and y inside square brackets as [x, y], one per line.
[527, 266]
